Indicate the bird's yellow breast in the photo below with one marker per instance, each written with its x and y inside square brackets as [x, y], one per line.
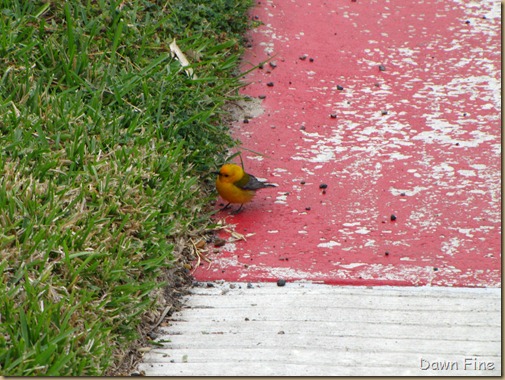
[233, 194]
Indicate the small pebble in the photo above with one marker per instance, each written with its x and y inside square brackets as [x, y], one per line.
[249, 285]
[323, 186]
[246, 319]
[339, 87]
[219, 242]
[333, 115]
[246, 121]
[210, 285]
[402, 194]
[302, 183]
[384, 112]
[303, 57]
[307, 208]
[435, 269]
[262, 96]
[393, 217]
[273, 65]
[382, 68]
[386, 253]
[260, 66]
[281, 282]
[467, 22]
[281, 332]
[311, 59]
[270, 84]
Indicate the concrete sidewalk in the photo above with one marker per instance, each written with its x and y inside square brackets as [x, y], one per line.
[232, 329]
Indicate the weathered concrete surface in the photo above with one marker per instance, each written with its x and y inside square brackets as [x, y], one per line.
[419, 140]
[304, 329]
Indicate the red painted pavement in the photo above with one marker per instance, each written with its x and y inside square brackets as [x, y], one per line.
[420, 140]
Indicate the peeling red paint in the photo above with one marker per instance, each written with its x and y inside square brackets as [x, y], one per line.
[420, 140]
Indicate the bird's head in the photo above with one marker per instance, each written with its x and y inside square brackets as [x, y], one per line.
[230, 173]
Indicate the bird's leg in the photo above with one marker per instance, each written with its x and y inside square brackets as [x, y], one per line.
[225, 207]
[238, 210]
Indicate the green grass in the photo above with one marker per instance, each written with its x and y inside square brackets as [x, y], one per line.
[106, 150]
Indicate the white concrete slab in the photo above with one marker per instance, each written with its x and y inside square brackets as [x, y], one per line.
[308, 329]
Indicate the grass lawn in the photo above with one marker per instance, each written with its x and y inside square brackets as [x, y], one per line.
[106, 151]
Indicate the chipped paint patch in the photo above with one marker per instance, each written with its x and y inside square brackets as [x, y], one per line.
[408, 192]
[328, 244]
[281, 198]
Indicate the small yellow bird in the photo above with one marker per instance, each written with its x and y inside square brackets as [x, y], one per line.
[236, 186]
